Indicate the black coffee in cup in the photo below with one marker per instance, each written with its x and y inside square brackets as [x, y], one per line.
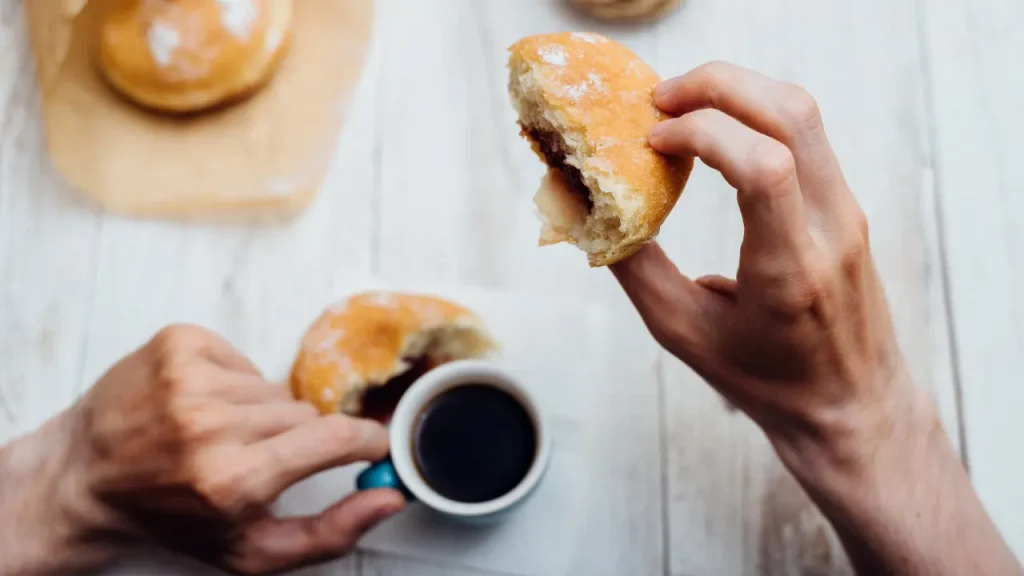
[474, 443]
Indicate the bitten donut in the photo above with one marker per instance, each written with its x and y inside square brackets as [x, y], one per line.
[187, 56]
[585, 104]
[361, 355]
[625, 10]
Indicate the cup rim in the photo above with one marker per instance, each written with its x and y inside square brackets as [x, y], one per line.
[435, 383]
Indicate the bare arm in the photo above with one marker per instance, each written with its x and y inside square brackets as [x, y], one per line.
[802, 339]
[899, 497]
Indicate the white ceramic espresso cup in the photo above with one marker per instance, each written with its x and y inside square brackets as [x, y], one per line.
[400, 471]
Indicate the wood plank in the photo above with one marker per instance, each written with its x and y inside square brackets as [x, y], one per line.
[380, 565]
[975, 86]
[259, 286]
[157, 561]
[47, 252]
[456, 184]
[733, 509]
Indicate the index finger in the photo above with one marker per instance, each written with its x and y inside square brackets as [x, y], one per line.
[781, 110]
[775, 225]
[324, 443]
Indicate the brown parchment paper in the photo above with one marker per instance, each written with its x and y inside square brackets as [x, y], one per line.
[263, 157]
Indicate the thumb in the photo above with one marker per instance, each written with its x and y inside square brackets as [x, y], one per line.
[273, 544]
[677, 311]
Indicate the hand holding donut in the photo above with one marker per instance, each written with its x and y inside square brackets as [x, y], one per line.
[802, 339]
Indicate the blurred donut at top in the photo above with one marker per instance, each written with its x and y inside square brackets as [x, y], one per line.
[625, 10]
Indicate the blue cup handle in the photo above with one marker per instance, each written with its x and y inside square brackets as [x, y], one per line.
[382, 475]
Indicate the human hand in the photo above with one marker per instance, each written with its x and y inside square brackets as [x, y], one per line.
[183, 443]
[802, 340]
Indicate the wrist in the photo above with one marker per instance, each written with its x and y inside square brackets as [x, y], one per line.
[891, 483]
[855, 444]
[52, 523]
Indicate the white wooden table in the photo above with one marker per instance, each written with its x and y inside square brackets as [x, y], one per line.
[922, 100]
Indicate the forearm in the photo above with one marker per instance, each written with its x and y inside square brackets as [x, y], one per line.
[900, 498]
[47, 526]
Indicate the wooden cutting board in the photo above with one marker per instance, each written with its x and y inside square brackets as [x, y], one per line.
[263, 158]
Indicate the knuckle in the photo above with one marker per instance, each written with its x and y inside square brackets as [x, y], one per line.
[860, 227]
[177, 378]
[199, 425]
[799, 109]
[716, 69]
[717, 73]
[698, 122]
[229, 492]
[790, 299]
[796, 293]
[173, 362]
[176, 338]
[772, 167]
[340, 430]
[307, 411]
[854, 243]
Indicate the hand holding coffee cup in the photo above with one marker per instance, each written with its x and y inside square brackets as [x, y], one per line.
[468, 440]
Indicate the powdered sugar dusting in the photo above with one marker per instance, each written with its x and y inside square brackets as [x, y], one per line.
[589, 37]
[163, 40]
[238, 16]
[431, 314]
[381, 299]
[344, 365]
[634, 67]
[553, 55]
[594, 83]
[577, 91]
[325, 340]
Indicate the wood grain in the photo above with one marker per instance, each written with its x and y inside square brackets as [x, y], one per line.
[48, 245]
[259, 287]
[249, 283]
[975, 86]
[733, 509]
[380, 565]
[456, 183]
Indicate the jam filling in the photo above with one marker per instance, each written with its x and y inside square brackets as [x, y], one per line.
[379, 403]
[552, 147]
